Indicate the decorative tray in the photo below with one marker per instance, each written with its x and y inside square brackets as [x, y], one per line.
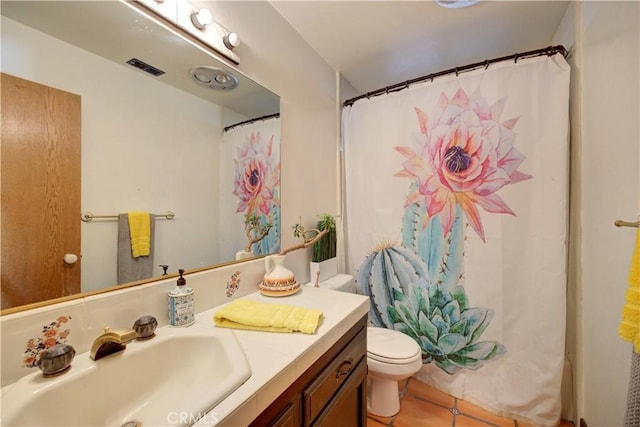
[278, 290]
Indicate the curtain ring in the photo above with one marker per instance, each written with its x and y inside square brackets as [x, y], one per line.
[406, 84]
[486, 64]
[515, 58]
[456, 71]
[431, 78]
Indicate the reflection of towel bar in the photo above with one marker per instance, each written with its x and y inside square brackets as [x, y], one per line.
[88, 216]
[620, 223]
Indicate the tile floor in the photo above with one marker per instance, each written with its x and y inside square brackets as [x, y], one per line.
[424, 406]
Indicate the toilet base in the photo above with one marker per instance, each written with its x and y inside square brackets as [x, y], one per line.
[383, 398]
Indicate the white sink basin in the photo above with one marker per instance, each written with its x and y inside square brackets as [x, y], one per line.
[173, 379]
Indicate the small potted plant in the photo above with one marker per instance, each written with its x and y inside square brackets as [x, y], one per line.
[324, 263]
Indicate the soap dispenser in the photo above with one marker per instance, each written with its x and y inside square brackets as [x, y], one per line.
[181, 303]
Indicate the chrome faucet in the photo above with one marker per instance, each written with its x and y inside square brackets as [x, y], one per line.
[110, 342]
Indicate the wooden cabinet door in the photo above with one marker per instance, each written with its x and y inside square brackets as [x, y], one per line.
[40, 187]
[348, 408]
[290, 417]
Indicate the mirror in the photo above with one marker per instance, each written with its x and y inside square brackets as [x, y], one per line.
[148, 143]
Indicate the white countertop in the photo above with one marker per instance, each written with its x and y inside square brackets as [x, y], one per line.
[278, 359]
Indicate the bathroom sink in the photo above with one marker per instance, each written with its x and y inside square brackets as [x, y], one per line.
[172, 379]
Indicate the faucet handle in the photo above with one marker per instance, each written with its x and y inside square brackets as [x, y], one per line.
[56, 360]
[145, 327]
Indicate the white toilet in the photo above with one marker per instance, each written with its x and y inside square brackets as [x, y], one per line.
[391, 357]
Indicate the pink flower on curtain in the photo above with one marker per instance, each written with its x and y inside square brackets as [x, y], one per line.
[463, 156]
[257, 175]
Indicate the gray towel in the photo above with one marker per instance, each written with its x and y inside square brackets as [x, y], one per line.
[632, 414]
[132, 269]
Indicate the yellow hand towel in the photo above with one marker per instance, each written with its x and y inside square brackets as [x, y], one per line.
[258, 316]
[629, 329]
[140, 231]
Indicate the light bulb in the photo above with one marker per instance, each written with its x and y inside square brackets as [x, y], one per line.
[201, 18]
[231, 40]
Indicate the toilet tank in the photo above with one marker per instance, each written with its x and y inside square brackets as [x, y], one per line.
[339, 282]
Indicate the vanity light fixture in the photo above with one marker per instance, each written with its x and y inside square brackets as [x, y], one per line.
[456, 4]
[201, 18]
[214, 78]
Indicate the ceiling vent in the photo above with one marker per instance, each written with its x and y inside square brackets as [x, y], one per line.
[135, 62]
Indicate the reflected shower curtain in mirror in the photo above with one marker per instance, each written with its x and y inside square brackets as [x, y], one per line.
[250, 182]
[456, 216]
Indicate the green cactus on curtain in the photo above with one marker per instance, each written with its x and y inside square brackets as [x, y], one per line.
[387, 269]
[416, 288]
[443, 254]
[444, 326]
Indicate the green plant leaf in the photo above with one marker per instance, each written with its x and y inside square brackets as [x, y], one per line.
[479, 319]
[394, 316]
[448, 366]
[484, 350]
[439, 322]
[450, 343]
[427, 328]
[460, 327]
[437, 298]
[460, 295]
[465, 362]
[405, 329]
[430, 348]
[452, 311]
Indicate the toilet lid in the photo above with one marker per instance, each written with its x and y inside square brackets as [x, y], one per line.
[387, 345]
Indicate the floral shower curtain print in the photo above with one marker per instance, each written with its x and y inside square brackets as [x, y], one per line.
[456, 209]
[249, 189]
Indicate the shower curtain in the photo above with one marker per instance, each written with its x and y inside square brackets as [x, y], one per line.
[456, 215]
[249, 185]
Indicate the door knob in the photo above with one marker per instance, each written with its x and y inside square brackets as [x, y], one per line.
[70, 258]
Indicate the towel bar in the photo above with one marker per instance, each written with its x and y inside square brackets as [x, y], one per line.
[88, 216]
[620, 223]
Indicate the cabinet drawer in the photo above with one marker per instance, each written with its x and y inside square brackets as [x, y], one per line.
[322, 389]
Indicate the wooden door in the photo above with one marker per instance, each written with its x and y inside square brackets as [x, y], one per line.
[40, 186]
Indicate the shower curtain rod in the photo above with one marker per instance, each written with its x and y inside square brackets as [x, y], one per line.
[549, 51]
[257, 119]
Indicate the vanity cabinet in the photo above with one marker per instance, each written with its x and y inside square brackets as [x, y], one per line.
[332, 392]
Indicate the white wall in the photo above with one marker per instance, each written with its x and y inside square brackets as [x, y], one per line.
[145, 146]
[277, 57]
[605, 42]
[610, 178]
